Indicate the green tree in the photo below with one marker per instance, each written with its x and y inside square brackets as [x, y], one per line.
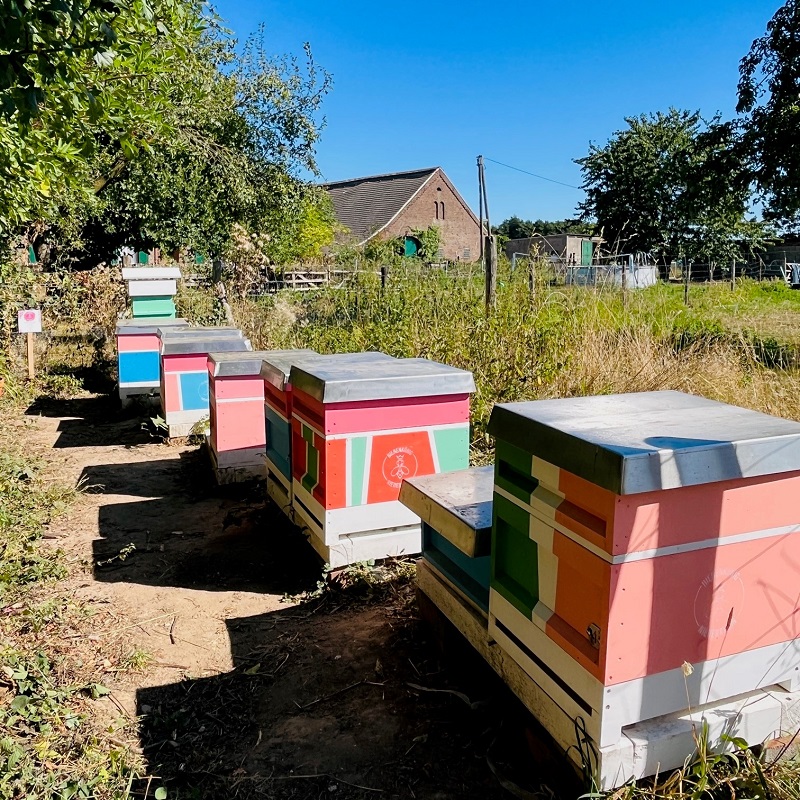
[76, 77]
[516, 228]
[232, 159]
[671, 185]
[769, 99]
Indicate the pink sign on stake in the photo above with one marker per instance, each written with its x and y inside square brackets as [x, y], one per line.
[29, 320]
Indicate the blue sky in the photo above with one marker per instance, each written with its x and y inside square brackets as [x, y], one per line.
[419, 84]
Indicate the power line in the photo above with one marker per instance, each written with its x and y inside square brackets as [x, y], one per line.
[533, 174]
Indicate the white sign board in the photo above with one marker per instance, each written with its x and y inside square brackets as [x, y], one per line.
[29, 320]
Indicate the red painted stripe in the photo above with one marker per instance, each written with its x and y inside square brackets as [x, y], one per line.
[280, 401]
[335, 474]
[308, 409]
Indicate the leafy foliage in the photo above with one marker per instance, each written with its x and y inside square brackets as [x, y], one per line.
[671, 185]
[171, 137]
[769, 88]
[78, 75]
[516, 228]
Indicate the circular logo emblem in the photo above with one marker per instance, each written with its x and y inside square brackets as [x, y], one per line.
[399, 464]
[202, 391]
[29, 316]
[718, 599]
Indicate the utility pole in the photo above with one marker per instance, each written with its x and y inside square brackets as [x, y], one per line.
[489, 246]
[480, 200]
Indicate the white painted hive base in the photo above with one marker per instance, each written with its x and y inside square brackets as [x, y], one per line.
[371, 546]
[655, 746]
[334, 524]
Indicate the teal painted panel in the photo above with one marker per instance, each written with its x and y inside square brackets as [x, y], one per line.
[410, 247]
[153, 307]
[358, 464]
[452, 448]
[587, 248]
[471, 575]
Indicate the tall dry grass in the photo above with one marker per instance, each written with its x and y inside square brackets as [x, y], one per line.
[552, 342]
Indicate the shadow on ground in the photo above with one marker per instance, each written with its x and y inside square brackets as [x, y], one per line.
[187, 532]
[350, 701]
[95, 421]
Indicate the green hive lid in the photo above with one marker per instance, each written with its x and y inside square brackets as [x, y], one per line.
[649, 441]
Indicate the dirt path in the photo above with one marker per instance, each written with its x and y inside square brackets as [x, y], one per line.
[246, 694]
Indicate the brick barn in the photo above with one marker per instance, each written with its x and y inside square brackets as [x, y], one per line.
[392, 206]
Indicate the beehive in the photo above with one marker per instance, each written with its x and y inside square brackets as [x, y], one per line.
[456, 513]
[184, 372]
[237, 437]
[151, 290]
[360, 429]
[138, 355]
[275, 369]
[633, 533]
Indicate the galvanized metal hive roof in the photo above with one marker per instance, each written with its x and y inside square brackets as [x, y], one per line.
[331, 382]
[649, 441]
[150, 324]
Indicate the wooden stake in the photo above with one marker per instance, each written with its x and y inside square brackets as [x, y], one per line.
[31, 364]
[491, 271]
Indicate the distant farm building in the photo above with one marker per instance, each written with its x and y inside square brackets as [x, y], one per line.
[572, 249]
[393, 206]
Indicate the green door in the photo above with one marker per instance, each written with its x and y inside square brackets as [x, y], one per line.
[586, 253]
[411, 247]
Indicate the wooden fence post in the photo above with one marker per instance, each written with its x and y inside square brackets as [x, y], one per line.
[490, 254]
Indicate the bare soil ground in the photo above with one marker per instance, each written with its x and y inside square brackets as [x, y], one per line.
[248, 692]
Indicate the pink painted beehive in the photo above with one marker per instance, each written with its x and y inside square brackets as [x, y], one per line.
[360, 429]
[237, 436]
[184, 372]
[634, 533]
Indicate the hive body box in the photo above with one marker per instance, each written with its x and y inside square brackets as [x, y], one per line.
[358, 430]
[138, 355]
[152, 290]
[633, 533]
[275, 370]
[237, 439]
[184, 372]
[456, 513]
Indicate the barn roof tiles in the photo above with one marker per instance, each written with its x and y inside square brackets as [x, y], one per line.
[367, 205]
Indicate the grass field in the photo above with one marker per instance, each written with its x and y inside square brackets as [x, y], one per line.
[738, 346]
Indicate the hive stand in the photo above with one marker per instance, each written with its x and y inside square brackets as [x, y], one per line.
[184, 372]
[151, 290]
[633, 533]
[237, 437]
[138, 356]
[358, 430]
